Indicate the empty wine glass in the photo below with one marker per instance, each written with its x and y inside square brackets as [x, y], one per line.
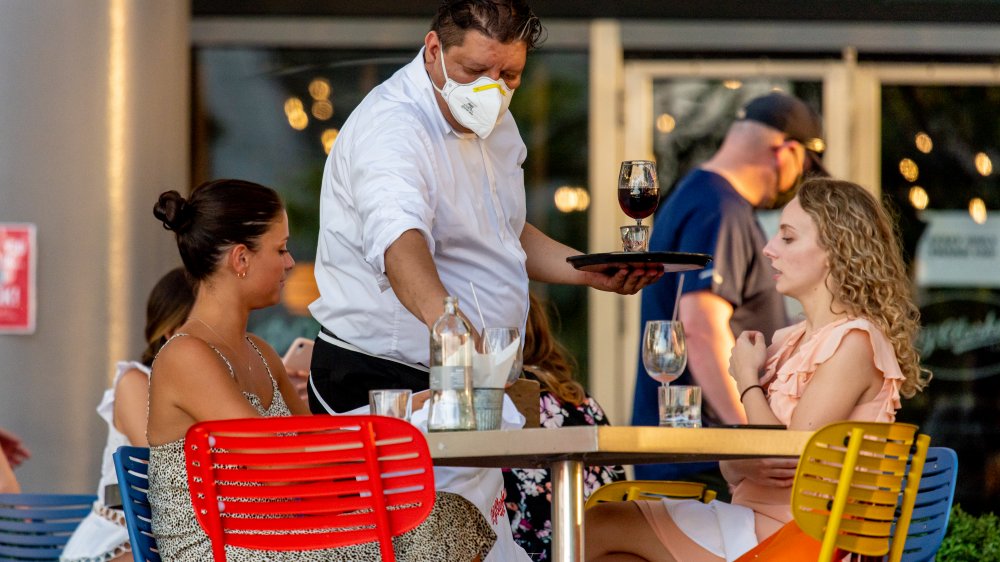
[638, 189]
[664, 354]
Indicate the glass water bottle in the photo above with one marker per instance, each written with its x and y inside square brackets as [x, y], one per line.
[451, 372]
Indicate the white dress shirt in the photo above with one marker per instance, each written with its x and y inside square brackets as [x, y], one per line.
[398, 165]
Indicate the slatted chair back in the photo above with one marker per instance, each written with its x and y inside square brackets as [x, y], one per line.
[131, 465]
[650, 490]
[932, 507]
[849, 481]
[37, 526]
[308, 482]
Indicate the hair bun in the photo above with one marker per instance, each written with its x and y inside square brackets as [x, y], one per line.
[174, 211]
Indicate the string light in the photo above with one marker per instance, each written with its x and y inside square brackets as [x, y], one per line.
[665, 123]
[919, 198]
[322, 110]
[569, 199]
[319, 89]
[923, 142]
[327, 138]
[293, 105]
[977, 210]
[909, 169]
[983, 164]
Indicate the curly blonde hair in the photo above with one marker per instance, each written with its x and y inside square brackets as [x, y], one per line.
[867, 274]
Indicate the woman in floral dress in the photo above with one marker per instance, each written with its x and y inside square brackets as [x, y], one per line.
[563, 402]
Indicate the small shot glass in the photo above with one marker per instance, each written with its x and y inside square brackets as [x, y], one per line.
[680, 405]
[635, 238]
[392, 402]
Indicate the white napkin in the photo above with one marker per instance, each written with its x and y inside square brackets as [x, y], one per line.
[483, 487]
[490, 370]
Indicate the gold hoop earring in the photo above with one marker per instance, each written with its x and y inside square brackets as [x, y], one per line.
[242, 275]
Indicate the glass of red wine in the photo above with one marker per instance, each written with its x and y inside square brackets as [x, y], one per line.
[638, 195]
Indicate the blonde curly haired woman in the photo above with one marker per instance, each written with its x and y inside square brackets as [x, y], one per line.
[851, 358]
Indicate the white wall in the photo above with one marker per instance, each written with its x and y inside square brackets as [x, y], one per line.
[93, 125]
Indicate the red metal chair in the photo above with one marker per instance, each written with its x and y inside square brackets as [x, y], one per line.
[308, 482]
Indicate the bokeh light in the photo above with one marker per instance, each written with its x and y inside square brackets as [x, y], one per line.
[977, 210]
[919, 198]
[732, 84]
[293, 105]
[300, 289]
[327, 138]
[569, 199]
[923, 142]
[298, 120]
[983, 164]
[322, 110]
[665, 123]
[319, 89]
[909, 169]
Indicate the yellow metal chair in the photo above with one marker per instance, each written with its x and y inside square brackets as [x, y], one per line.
[650, 490]
[849, 481]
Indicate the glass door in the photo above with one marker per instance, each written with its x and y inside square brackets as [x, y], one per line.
[677, 113]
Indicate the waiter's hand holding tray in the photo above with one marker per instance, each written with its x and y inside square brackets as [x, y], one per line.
[611, 261]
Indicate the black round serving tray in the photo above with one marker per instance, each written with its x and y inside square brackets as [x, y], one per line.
[671, 261]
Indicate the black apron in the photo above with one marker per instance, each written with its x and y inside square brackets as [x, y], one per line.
[340, 378]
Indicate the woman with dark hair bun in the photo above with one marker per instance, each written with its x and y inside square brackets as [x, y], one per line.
[219, 214]
[232, 236]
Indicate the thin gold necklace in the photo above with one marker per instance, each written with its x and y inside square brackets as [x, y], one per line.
[226, 343]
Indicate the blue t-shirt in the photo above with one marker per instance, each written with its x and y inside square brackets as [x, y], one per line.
[705, 215]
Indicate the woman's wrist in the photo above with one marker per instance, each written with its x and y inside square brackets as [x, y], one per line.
[749, 389]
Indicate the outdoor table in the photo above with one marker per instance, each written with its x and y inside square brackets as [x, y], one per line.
[565, 451]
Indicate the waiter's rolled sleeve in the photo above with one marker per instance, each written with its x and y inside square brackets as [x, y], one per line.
[393, 192]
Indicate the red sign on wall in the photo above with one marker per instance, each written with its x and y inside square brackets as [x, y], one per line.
[17, 278]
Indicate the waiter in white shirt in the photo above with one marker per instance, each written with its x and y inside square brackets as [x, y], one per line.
[422, 193]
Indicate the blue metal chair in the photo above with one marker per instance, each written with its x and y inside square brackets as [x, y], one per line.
[37, 526]
[933, 506]
[131, 465]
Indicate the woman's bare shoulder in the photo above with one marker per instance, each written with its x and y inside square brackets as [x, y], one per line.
[187, 356]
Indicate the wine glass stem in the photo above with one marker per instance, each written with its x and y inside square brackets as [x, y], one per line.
[638, 222]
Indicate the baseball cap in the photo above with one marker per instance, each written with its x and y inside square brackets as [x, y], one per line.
[795, 119]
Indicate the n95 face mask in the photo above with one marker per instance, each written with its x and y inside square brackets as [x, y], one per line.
[478, 105]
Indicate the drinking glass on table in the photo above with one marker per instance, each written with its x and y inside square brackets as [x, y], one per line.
[392, 402]
[664, 354]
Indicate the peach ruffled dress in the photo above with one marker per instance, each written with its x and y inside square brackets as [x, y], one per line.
[692, 531]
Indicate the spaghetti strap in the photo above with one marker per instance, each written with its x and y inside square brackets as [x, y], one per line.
[229, 365]
[274, 383]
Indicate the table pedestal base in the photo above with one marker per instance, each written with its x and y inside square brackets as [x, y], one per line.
[567, 511]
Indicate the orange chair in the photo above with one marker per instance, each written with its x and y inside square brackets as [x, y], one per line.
[849, 480]
[308, 482]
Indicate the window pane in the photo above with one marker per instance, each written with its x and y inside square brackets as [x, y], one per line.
[691, 117]
[938, 147]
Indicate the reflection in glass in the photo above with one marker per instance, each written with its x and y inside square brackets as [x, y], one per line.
[695, 113]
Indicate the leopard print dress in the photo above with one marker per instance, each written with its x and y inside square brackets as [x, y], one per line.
[454, 530]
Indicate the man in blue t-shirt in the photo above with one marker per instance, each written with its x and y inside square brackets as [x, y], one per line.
[776, 140]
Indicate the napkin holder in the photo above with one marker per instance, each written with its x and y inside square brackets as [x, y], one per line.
[524, 393]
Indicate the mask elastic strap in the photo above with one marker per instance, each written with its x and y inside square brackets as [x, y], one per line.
[445, 72]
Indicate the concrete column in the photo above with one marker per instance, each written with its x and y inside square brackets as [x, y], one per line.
[93, 125]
